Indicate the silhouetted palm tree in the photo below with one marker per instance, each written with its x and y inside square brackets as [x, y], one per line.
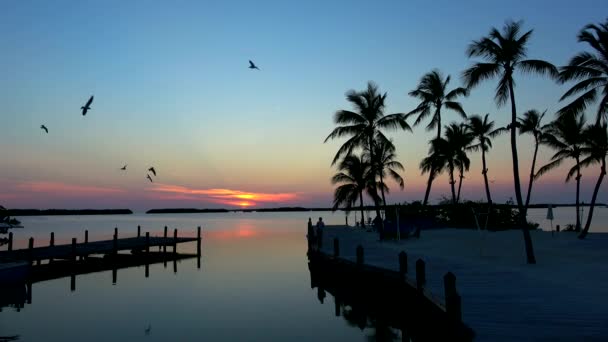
[530, 123]
[385, 165]
[565, 135]
[354, 177]
[591, 70]
[504, 53]
[482, 130]
[595, 148]
[366, 124]
[432, 91]
[458, 138]
[433, 162]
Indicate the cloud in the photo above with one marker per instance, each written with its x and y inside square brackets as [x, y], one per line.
[59, 189]
[225, 196]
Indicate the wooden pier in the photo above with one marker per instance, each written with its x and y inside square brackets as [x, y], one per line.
[499, 296]
[80, 250]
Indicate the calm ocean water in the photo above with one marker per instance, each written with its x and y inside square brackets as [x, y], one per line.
[253, 284]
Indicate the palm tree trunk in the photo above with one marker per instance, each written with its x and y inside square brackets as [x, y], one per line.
[593, 198]
[372, 157]
[459, 187]
[362, 217]
[452, 185]
[428, 187]
[578, 192]
[522, 218]
[382, 191]
[484, 172]
[531, 177]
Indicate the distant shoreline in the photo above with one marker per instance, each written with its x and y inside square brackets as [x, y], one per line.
[66, 212]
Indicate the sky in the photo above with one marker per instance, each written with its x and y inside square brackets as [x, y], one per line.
[172, 90]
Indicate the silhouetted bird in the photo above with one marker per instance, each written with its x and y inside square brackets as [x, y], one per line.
[151, 169]
[44, 128]
[150, 178]
[124, 167]
[148, 329]
[87, 106]
[252, 66]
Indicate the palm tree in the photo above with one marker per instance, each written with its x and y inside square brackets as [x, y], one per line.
[458, 138]
[385, 165]
[591, 70]
[366, 123]
[432, 91]
[565, 135]
[504, 53]
[354, 176]
[433, 162]
[595, 148]
[530, 123]
[482, 130]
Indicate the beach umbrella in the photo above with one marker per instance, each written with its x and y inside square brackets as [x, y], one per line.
[550, 216]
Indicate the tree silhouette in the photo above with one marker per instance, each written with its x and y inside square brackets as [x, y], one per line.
[482, 131]
[565, 135]
[365, 124]
[591, 70]
[385, 165]
[504, 53]
[434, 95]
[530, 123]
[595, 148]
[354, 176]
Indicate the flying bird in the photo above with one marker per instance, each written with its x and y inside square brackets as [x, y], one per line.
[87, 106]
[124, 167]
[44, 128]
[252, 66]
[150, 178]
[151, 169]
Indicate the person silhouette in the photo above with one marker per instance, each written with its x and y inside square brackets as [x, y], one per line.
[320, 223]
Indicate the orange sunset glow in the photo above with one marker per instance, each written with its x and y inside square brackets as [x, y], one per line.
[225, 196]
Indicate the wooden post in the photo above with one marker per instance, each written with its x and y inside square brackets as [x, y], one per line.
[165, 233]
[116, 231]
[198, 245]
[165, 243]
[115, 244]
[86, 236]
[147, 267]
[73, 282]
[10, 241]
[147, 242]
[336, 247]
[30, 248]
[420, 274]
[360, 256]
[73, 249]
[452, 299]
[114, 275]
[402, 264]
[138, 231]
[51, 244]
[174, 265]
[175, 241]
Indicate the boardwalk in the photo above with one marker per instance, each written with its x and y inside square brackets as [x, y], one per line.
[503, 299]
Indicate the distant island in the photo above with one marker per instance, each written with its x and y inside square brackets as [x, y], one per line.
[298, 209]
[51, 212]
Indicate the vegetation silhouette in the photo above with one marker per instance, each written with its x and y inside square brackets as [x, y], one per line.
[385, 165]
[482, 131]
[591, 70]
[354, 177]
[366, 125]
[434, 95]
[530, 123]
[565, 135]
[503, 54]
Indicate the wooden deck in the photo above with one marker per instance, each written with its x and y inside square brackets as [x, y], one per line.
[503, 299]
[90, 248]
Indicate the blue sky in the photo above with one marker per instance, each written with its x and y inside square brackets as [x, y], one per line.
[172, 89]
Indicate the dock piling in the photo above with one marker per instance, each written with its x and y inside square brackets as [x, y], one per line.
[115, 244]
[86, 236]
[73, 249]
[360, 256]
[52, 242]
[403, 263]
[147, 242]
[336, 247]
[138, 231]
[30, 249]
[114, 275]
[10, 241]
[116, 231]
[420, 274]
[175, 241]
[452, 299]
[198, 244]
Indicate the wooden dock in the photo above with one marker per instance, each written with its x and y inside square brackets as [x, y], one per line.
[86, 248]
[502, 299]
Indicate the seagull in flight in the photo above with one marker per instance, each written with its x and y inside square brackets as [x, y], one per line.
[44, 128]
[151, 169]
[87, 106]
[253, 66]
[150, 178]
[124, 168]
